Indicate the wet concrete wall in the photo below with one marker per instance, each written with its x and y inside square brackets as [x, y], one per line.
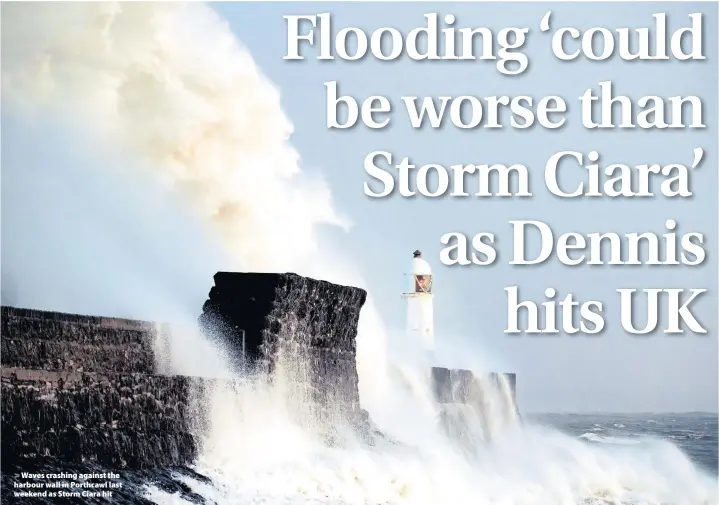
[266, 318]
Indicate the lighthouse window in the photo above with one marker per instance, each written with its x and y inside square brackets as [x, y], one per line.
[423, 283]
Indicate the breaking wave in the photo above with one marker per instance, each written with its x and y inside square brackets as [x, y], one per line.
[593, 437]
[169, 89]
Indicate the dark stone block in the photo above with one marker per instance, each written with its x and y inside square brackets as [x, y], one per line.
[264, 317]
[267, 308]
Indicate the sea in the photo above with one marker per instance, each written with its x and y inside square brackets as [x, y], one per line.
[297, 471]
[695, 433]
[501, 458]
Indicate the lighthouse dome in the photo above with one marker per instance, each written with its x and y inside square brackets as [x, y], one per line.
[419, 275]
[419, 266]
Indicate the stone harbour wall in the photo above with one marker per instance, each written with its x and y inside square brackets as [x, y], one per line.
[85, 390]
[54, 341]
[464, 386]
[475, 408]
[115, 420]
[81, 389]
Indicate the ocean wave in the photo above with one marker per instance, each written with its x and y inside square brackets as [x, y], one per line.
[593, 437]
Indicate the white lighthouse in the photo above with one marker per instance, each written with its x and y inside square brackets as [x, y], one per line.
[420, 317]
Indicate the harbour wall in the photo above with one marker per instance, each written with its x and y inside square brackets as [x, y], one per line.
[84, 389]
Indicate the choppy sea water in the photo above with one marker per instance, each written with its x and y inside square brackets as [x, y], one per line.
[695, 433]
[553, 459]
[539, 469]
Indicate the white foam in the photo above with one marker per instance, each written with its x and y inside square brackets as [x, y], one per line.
[593, 437]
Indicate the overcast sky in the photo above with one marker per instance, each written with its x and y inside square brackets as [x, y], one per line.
[609, 372]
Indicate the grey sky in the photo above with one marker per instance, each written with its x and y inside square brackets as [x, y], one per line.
[611, 372]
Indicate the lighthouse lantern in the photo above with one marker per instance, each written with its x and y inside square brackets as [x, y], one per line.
[420, 276]
[420, 323]
[423, 284]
